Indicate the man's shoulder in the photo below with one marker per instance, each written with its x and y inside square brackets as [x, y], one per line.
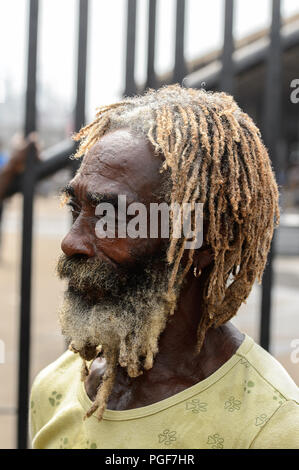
[281, 431]
[268, 399]
[269, 369]
[58, 372]
[52, 388]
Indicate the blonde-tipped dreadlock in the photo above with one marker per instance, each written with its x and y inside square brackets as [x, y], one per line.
[215, 156]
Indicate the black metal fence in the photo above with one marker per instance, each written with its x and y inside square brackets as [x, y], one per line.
[59, 155]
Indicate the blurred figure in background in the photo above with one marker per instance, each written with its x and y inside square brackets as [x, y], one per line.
[11, 167]
[3, 155]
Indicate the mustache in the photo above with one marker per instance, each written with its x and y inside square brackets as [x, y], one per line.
[87, 274]
[93, 278]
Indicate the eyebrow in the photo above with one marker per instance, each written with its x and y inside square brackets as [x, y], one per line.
[94, 198]
[97, 198]
[68, 190]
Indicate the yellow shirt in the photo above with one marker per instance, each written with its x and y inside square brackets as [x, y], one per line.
[249, 402]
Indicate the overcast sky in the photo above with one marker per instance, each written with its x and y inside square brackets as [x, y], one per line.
[57, 30]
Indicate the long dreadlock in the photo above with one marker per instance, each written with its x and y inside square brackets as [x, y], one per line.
[215, 156]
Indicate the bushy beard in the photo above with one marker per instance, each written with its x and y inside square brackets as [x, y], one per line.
[122, 310]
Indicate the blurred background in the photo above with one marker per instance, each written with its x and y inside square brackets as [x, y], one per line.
[59, 60]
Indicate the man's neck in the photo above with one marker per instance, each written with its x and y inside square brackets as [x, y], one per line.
[177, 365]
[174, 371]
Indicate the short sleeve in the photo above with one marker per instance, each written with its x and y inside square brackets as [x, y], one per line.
[282, 429]
[33, 427]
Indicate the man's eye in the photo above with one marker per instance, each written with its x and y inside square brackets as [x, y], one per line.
[74, 210]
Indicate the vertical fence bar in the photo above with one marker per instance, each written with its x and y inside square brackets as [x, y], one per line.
[81, 63]
[180, 69]
[79, 117]
[151, 81]
[130, 85]
[227, 72]
[271, 125]
[26, 263]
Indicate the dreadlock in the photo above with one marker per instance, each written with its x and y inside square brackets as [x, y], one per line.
[214, 154]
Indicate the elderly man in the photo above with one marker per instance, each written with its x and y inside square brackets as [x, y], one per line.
[153, 360]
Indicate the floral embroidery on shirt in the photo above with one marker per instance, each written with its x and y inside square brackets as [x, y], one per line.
[196, 405]
[215, 441]
[277, 396]
[55, 398]
[63, 443]
[245, 363]
[32, 407]
[248, 385]
[261, 420]
[232, 404]
[91, 445]
[167, 437]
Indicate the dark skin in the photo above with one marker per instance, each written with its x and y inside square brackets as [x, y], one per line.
[121, 163]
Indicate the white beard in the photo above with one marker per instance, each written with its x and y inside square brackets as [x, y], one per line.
[129, 326]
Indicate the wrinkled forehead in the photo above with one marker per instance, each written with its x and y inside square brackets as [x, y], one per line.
[122, 158]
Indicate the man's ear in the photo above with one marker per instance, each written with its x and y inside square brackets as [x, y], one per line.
[202, 258]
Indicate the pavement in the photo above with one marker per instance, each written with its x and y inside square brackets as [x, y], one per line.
[51, 223]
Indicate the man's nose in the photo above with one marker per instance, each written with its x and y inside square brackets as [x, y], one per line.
[76, 243]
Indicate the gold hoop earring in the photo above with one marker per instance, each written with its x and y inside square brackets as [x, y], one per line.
[196, 273]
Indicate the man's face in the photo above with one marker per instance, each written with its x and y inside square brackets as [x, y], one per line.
[115, 284]
[119, 164]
